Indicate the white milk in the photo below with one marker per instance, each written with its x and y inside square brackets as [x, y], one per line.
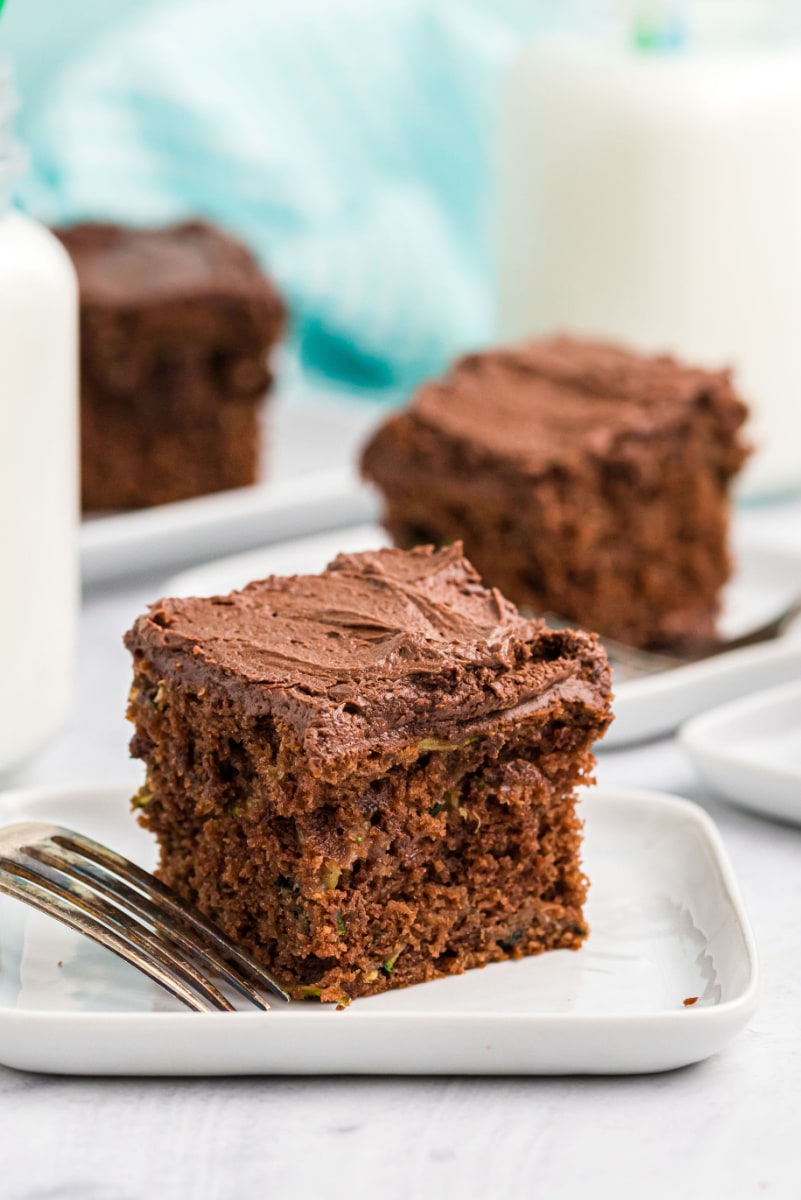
[38, 477]
[656, 199]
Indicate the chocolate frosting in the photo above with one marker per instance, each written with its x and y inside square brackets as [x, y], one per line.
[380, 648]
[561, 400]
[124, 268]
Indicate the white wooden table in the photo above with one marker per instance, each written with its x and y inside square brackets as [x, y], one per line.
[728, 1128]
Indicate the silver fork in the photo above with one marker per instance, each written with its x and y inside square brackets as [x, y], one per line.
[630, 662]
[111, 900]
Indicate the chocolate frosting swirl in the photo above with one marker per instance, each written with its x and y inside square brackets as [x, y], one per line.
[380, 647]
[562, 401]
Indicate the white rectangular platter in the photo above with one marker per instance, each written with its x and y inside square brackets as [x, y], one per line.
[667, 926]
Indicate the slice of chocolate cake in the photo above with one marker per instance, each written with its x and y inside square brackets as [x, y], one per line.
[584, 481]
[367, 777]
[176, 327]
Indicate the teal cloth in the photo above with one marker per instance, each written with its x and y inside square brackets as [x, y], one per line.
[349, 142]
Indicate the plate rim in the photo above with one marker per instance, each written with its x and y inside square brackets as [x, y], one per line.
[772, 782]
[695, 733]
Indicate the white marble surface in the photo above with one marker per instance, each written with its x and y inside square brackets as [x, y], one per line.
[727, 1128]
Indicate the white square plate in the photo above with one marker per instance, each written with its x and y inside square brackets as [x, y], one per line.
[748, 751]
[667, 925]
[765, 580]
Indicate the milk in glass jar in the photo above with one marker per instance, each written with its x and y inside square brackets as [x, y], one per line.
[650, 193]
[38, 468]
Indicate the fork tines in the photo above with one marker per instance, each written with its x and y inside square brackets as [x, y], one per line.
[97, 892]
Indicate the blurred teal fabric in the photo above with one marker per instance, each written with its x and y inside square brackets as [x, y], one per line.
[349, 142]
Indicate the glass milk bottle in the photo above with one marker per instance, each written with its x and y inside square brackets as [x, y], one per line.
[650, 192]
[38, 468]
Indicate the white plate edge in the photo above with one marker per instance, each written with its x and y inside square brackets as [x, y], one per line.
[695, 735]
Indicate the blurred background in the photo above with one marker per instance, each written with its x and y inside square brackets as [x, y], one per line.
[346, 142]
[424, 176]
